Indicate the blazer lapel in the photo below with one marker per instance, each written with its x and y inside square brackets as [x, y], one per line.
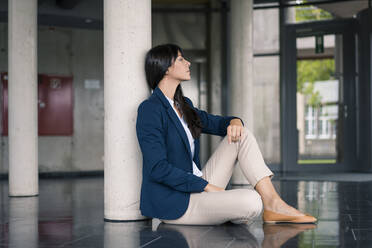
[174, 118]
[179, 128]
[196, 155]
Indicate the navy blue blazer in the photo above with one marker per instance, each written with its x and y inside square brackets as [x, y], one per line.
[168, 177]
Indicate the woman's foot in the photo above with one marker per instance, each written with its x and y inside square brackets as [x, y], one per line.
[279, 206]
[275, 209]
[275, 218]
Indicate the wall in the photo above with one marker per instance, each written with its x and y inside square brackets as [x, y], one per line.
[76, 52]
[79, 52]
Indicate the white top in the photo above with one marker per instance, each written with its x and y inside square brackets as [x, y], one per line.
[195, 169]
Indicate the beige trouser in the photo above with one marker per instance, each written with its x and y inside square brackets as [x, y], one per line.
[237, 205]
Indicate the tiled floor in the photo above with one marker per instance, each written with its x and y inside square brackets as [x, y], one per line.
[69, 213]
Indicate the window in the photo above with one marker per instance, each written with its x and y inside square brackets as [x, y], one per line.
[320, 122]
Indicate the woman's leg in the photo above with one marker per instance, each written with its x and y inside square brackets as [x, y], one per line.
[219, 168]
[214, 208]
[238, 205]
[271, 199]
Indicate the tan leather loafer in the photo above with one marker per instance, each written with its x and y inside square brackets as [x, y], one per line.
[275, 218]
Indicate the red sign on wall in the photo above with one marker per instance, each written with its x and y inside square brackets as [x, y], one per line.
[55, 105]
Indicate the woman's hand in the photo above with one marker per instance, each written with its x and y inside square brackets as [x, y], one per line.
[212, 188]
[235, 130]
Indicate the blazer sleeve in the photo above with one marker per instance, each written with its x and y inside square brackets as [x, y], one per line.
[151, 138]
[213, 124]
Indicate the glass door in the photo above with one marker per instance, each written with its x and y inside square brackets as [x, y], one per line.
[318, 97]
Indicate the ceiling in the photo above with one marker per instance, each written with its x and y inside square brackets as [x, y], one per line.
[345, 9]
[89, 13]
[180, 1]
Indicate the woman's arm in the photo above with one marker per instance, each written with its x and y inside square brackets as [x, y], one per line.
[213, 124]
[212, 188]
[150, 134]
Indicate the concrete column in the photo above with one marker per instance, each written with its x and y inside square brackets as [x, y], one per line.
[214, 90]
[23, 145]
[241, 68]
[127, 37]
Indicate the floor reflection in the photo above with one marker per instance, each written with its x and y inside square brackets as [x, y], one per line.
[69, 213]
[117, 234]
[228, 235]
[23, 222]
[277, 235]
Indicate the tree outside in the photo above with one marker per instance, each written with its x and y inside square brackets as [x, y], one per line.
[310, 71]
[311, 13]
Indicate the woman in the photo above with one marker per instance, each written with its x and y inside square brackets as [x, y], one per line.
[174, 187]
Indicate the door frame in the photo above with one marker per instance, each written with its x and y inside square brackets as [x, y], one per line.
[288, 90]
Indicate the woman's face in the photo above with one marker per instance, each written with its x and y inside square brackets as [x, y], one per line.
[180, 69]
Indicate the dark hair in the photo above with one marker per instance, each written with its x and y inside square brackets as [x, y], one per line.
[157, 62]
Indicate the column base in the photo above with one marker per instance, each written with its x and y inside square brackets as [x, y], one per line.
[128, 216]
[121, 221]
[22, 196]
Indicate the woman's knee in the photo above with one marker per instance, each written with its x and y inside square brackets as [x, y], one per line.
[248, 133]
[252, 203]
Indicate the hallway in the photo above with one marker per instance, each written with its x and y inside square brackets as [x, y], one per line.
[69, 213]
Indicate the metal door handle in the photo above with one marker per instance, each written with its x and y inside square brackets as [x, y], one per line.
[345, 111]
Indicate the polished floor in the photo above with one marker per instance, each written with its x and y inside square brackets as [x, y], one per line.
[69, 213]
